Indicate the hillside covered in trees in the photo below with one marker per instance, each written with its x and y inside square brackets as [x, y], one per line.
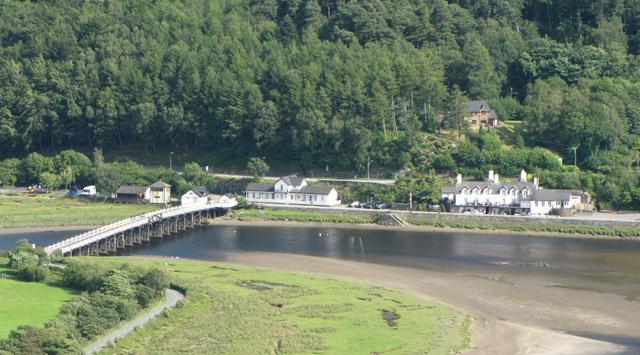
[332, 82]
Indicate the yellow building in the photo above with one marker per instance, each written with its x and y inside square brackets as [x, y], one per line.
[160, 193]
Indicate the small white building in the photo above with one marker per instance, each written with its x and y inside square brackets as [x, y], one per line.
[196, 196]
[292, 190]
[224, 201]
[228, 200]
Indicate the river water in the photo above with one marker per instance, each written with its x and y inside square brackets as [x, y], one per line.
[547, 274]
[608, 265]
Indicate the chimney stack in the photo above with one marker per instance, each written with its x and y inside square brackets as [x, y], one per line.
[523, 176]
[490, 175]
[496, 178]
[459, 179]
[536, 182]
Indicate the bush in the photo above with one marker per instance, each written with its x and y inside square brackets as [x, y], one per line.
[32, 273]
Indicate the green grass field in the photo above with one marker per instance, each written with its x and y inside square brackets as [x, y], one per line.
[49, 210]
[303, 216]
[242, 310]
[27, 303]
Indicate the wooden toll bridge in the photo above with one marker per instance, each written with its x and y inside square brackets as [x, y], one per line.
[136, 230]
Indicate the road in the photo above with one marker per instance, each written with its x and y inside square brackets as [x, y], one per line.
[386, 182]
[172, 298]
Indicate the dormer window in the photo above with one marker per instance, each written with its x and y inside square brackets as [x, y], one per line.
[486, 191]
[465, 191]
[476, 191]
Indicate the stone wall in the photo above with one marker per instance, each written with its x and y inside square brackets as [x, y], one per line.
[477, 218]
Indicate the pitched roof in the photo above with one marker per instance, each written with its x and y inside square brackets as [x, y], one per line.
[201, 191]
[493, 114]
[230, 195]
[551, 195]
[493, 186]
[448, 189]
[292, 180]
[316, 190]
[131, 190]
[476, 106]
[160, 185]
[260, 187]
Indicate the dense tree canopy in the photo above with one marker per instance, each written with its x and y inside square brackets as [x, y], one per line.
[315, 81]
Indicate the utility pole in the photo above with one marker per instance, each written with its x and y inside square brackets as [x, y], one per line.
[410, 201]
[171, 161]
[368, 167]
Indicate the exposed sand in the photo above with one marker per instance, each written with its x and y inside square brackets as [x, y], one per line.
[511, 318]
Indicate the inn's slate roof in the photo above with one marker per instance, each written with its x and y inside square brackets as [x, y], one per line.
[551, 195]
[493, 186]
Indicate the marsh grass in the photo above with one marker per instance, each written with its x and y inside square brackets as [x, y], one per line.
[289, 313]
[303, 216]
[50, 210]
[528, 227]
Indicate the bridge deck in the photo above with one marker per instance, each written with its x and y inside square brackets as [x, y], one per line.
[94, 235]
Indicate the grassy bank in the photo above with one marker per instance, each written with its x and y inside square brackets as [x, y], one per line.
[243, 310]
[303, 216]
[50, 211]
[527, 227]
[27, 303]
[428, 221]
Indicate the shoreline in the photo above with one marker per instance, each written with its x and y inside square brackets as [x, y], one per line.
[257, 222]
[491, 317]
[26, 230]
[417, 228]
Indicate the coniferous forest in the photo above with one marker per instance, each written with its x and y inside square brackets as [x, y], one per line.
[333, 82]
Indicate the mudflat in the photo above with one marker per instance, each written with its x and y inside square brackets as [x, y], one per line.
[513, 316]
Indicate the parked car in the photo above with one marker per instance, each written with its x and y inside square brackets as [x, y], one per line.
[354, 204]
[367, 205]
[73, 192]
[383, 206]
[88, 191]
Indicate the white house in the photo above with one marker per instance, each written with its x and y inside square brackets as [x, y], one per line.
[292, 190]
[196, 196]
[228, 200]
[496, 197]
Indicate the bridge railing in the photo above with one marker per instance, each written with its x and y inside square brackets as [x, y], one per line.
[94, 235]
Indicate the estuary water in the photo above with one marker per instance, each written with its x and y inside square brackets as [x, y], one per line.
[603, 265]
[585, 287]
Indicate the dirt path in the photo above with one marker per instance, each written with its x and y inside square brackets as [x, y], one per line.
[518, 316]
[172, 297]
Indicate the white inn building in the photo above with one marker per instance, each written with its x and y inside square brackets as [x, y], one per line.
[522, 197]
[292, 190]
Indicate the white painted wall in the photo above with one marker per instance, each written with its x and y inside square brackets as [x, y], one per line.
[191, 199]
[294, 198]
